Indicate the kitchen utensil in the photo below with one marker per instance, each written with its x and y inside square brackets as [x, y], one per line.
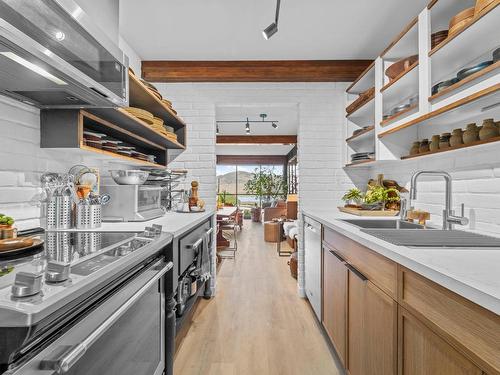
[460, 20]
[442, 85]
[400, 66]
[481, 5]
[129, 177]
[83, 191]
[438, 37]
[464, 73]
[104, 199]
[88, 216]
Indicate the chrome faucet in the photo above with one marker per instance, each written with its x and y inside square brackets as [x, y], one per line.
[449, 218]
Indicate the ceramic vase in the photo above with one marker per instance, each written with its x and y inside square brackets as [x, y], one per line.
[434, 145]
[489, 130]
[457, 138]
[471, 134]
[444, 141]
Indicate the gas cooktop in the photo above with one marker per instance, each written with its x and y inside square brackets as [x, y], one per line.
[68, 265]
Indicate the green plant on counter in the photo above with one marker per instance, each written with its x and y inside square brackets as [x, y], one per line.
[6, 220]
[353, 195]
[380, 194]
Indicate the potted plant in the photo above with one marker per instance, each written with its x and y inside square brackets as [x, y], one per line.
[266, 184]
[6, 227]
[377, 197]
[353, 197]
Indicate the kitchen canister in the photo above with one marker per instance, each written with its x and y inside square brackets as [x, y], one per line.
[424, 146]
[444, 141]
[58, 212]
[457, 138]
[471, 134]
[415, 148]
[88, 216]
[488, 130]
[434, 145]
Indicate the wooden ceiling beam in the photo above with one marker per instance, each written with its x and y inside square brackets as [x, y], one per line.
[254, 71]
[257, 139]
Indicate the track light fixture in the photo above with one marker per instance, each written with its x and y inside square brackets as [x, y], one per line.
[247, 122]
[273, 28]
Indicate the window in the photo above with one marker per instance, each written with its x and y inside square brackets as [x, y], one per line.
[232, 181]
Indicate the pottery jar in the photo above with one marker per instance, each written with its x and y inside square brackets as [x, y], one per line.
[457, 138]
[471, 134]
[424, 146]
[489, 130]
[434, 145]
[415, 149]
[444, 141]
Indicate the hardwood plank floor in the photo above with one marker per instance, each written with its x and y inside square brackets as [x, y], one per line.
[256, 324]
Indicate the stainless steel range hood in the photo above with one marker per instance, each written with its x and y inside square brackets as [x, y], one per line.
[53, 56]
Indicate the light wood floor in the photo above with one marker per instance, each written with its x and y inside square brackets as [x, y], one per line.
[256, 324]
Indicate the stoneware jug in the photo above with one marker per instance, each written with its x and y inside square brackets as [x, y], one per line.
[471, 134]
[457, 138]
[434, 146]
[489, 130]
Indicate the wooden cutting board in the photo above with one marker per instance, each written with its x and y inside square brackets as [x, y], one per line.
[358, 212]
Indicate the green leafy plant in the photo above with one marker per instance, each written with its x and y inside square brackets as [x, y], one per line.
[380, 194]
[353, 195]
[266, 183]
[6, 220]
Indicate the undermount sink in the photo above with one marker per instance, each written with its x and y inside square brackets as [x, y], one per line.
[435, 238]
[384, 224]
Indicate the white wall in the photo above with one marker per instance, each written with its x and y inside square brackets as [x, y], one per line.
[322, 180]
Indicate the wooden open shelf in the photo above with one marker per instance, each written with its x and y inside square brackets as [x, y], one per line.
[401, 75]
[360, 163]
[360, 134]
[136, 126]
[465, 81]
[120, 157]
[364, 81]
[401, 46]
[398, 115]
[477, 143]
[458, 33]
[141, 97]
[456, 105]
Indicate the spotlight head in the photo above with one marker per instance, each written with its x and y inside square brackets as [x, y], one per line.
[247, 127]
[274, 125]
[269, 31]
[217, 129]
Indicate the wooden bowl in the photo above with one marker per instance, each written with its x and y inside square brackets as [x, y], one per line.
[400, 66]
[481, 5]
[461, 20]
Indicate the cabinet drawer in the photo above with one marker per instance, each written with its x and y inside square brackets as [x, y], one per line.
[469, 328]
[379, 270]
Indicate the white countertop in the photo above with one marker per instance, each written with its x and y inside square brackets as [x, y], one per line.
[472, 273]
[173, 222]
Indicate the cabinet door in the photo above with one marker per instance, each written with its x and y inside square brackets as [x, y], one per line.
[422, 352]
[335, 300]
[372, 328]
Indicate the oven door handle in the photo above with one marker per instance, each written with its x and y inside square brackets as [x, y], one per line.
[71, 357]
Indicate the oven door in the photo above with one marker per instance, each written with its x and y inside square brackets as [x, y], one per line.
[123, 336]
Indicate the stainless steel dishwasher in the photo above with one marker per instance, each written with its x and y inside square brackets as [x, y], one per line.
[312, 262]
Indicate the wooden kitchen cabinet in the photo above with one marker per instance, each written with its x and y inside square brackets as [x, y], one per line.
[422, 352]
[372, 328]
[335, 300]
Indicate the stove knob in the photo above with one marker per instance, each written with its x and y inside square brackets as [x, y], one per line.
[27, 284]
[57, 271]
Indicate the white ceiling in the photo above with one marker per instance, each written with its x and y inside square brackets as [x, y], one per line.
[285, 114]
[253, 149]
[231, 29]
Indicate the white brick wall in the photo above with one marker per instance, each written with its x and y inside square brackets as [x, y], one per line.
[476, 183]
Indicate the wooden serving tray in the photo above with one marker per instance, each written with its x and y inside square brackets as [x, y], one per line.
[359, 212]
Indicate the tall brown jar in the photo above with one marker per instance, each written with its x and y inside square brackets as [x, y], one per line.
[457, 138]
[471, 134]
[489, 130]
[434, 145]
